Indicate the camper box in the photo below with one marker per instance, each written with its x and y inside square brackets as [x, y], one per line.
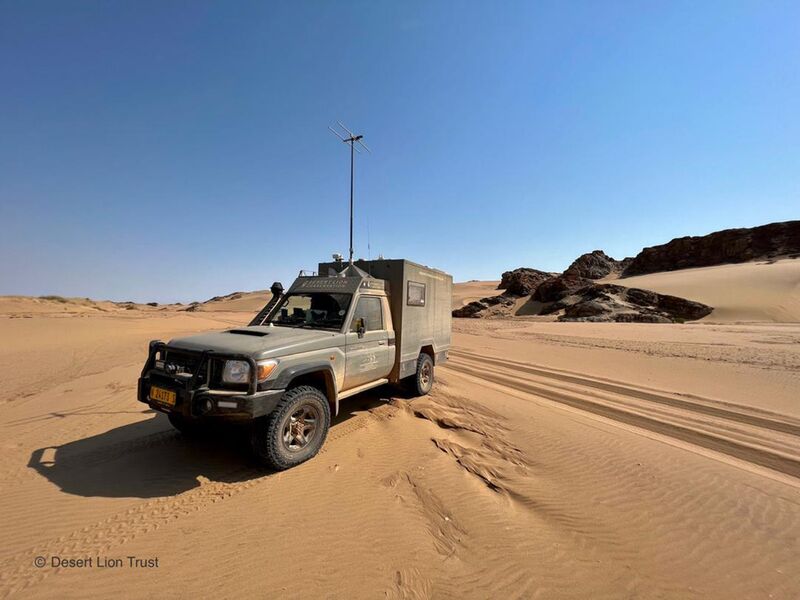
[420, 299]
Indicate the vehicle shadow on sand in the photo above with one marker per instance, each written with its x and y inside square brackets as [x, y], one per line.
[149, 459]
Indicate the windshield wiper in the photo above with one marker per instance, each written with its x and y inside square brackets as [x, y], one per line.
[316, 325]
[303, 324]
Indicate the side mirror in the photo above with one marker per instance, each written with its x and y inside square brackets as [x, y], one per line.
[361, 327]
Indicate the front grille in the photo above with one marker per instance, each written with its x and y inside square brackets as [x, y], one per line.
[182, 364]
[178, 362]
[184, 360]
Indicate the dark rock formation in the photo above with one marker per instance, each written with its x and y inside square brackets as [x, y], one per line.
[478, 308]
[595, 265]
[728, 246]
[506, 276]
[587, 308]
[517, 283]
[607, 302]
[555, 288]
[522, 281]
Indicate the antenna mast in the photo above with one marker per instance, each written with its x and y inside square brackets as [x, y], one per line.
[348, 137]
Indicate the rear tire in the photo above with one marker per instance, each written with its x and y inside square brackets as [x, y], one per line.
[422, 381]
[294, 431]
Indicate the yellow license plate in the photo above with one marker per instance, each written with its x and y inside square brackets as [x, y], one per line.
[161, 395]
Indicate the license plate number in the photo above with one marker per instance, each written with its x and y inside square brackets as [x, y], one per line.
[163, 396]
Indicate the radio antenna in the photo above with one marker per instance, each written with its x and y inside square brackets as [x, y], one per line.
[348, 137]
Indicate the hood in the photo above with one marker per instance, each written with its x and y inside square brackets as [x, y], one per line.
[259, 342]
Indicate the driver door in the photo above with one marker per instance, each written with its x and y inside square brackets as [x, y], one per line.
[368, 355]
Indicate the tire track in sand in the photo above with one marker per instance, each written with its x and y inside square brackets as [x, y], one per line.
[758, 437]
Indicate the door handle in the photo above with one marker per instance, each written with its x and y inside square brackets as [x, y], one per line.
[382, 343]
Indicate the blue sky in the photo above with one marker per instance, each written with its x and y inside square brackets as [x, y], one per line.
[161, 150]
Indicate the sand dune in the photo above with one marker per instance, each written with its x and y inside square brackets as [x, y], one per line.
[741, 292]
[249, 302]
[27, 306]
[469, 291]
[552, 460]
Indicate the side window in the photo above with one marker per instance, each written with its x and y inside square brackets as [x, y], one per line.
[369, 309]
[416, 294]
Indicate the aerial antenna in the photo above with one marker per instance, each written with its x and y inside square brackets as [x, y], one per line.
[348, 137]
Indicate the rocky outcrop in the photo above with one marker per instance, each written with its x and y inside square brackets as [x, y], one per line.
[504, 278]
[481, 308]
[607, 302]
[517, 283]
[595, 265]
[727, 246]
[522, 281]
[575, 295]
[555, 288]
[582, 271]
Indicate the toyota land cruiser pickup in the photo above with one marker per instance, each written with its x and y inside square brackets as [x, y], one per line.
[327, 338]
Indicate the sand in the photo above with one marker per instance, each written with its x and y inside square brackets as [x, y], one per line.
[552, 460]
[464, 293]
[738, 293]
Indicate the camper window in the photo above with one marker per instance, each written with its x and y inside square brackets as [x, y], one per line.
[416, 294]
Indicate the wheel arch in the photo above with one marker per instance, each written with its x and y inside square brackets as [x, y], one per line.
[320, 376]
[428, 349]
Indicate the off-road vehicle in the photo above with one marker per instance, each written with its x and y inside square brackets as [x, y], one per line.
[327, 338]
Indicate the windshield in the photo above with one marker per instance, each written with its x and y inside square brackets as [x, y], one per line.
[317, 310]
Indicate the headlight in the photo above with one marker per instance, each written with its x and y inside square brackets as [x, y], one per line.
[236, 371]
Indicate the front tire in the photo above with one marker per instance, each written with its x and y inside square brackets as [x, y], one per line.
[294, 431]
[422, 381]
